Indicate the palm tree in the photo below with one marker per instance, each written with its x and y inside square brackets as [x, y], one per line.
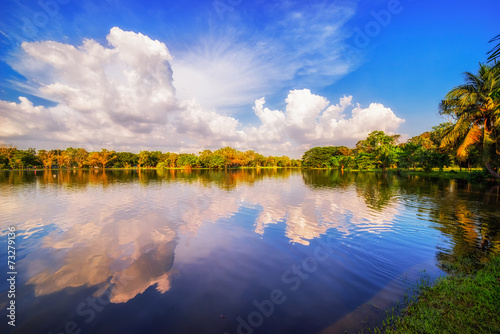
[475, 109]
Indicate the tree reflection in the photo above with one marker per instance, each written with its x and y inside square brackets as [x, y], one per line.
[224, 179]
[376, 189]
[466, 213]
[469, 217]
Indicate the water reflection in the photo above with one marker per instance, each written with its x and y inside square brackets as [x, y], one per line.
[122, 255]
[124, 231]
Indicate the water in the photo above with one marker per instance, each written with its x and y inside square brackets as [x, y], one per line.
[247, 251]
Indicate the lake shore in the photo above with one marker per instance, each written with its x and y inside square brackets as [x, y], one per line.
[466, 301]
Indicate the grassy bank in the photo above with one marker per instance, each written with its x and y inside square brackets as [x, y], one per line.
[459, 303]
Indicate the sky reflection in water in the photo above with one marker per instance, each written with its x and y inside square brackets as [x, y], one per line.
[196, 251]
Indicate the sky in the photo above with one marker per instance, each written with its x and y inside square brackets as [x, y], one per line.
[278, 77]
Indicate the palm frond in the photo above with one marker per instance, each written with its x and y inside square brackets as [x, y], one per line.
[472, 79]
[455, 133]
[495, 52]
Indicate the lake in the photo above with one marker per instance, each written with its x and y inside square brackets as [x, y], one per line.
[241, 251]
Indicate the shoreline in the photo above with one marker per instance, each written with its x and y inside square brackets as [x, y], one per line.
[461, 302]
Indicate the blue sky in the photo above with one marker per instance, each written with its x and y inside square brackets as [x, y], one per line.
[264, 75]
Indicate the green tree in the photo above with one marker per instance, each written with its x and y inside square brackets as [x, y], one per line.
[170, 159]
[320, 157]
[259, 160]
[126, 160]
[204, 158]
[381, 148]
[148, 159]
[364, 160]
[188, 160]
[283, 161]
[22, 159]
[217, 161]
[375, 140]
[77, 157]
[475, 109]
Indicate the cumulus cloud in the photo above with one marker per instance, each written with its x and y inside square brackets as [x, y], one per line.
[309, 120]
[123, 96]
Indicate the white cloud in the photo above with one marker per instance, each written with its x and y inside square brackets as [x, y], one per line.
[124, 97]
[310, 121]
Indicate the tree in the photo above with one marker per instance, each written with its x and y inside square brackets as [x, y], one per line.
[407, 156]
[475, 109]
[259, 160]
[145, 159]
[126, 160]
[7, 150]
[283, 161]
[381, 147]
[231, 156]
[170, 159]
[387, 155]
[105, 156]
[375, 140]
[47, 158]
[364, 160]
[76, 156]
[62, 158]
[424, 150]
[81, 157]
[321, 156]
[217, 161]
[6, 153]
[93, 159]
[204, 157]
[188, 160]
[22, 159]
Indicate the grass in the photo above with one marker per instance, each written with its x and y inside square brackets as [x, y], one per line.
[459, 303]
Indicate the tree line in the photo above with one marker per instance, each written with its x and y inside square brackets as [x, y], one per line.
[226, 157]
[382, 151]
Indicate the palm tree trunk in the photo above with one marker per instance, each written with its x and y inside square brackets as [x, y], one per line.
[492, 172]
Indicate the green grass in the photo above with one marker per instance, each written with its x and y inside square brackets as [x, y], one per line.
[459, 303]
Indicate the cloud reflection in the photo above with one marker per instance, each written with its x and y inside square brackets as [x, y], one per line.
[123, 237]
[125, 254]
